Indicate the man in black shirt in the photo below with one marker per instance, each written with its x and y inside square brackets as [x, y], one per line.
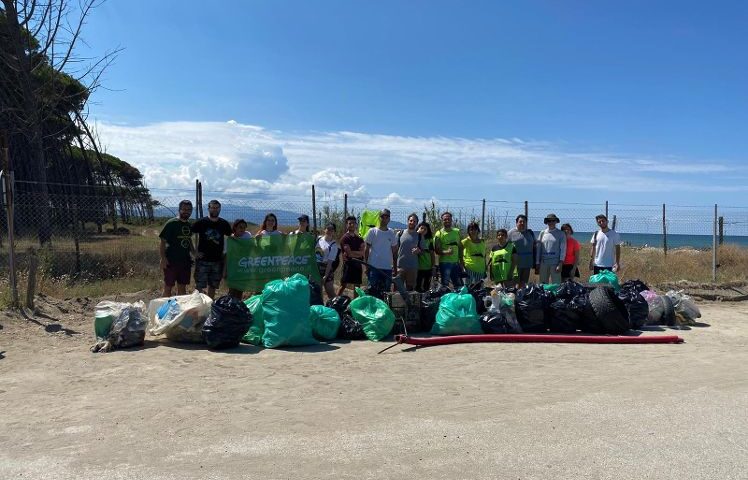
[209, 266]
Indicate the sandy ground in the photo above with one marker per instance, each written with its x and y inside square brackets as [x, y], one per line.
[520, 411]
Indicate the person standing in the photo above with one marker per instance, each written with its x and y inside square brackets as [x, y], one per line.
[524, 242]
[426, 259]
[380, 254]
[269, 226]
[327, 258]
[353, 253]
[551, 251]
[474, 253]
[447, 245]
[606, 248]
[571, 261]
[211, 231]
[238, 230]
[502, 260]
[303, 225]
[410, 245]
[176, 250]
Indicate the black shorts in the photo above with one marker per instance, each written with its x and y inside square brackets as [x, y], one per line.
[352, 273]
[568, 271]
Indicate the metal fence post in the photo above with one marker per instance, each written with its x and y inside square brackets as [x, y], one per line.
[527, 214]
[614, 222]
[721, 230]
[664, 231]
[197, 199]
[8, 186]
[714, 247]
[314, 211]
[483, 218]
[606, 211]
[345, 207]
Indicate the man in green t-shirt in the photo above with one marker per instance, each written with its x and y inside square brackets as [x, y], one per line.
[176, 250]
[447, 245]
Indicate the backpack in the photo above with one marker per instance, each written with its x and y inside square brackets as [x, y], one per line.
[335, 262]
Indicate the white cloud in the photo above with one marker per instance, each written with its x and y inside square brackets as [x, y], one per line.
[245, 158]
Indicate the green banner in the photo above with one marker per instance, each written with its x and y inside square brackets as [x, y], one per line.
[252, 262]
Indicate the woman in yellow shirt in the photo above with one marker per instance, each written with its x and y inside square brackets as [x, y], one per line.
[474, 254]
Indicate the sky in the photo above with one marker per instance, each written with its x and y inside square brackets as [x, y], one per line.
[391, 101]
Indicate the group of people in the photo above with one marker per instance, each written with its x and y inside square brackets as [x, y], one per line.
[411, 256]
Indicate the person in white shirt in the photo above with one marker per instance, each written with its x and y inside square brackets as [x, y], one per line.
[327, 258]
[606, 248]
[381, 254]
[269, 226]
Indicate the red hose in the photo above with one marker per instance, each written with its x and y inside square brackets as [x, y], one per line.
[537, 338]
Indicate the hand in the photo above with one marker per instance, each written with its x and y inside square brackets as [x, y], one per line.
[559, 267]
[415, 250]
[616, 268]
[447, 251]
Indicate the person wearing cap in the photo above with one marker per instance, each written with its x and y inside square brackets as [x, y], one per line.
[303, 225]
[523, 240]
[550, 252]
[352, 246]
[327, 258]
[449, 248]
[606, 248]
[380, 254]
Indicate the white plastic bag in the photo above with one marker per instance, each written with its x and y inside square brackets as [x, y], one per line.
[684, 305]
[185, 314]
[118, 325]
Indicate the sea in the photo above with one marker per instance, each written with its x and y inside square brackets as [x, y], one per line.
[673, 240]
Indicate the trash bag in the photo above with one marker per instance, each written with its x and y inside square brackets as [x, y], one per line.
[374, 291]
[373, 314]
[479, 292]
[325, 322]
[119, 325]
[498, 322]
[636, 285]
[315, 293]
[606, 277]
[430, 306]
[180, 318]
[285, 311]
[610, 313]
[684, 306]
[350, 329]
[551, 287]
[636, 305]
[656, 307]
[563, 317]
[457, 315]
[227, 323]
[649, 295]
[580, 305]
[568, 289]
[339, 304]
[254, 334]
[530, 304]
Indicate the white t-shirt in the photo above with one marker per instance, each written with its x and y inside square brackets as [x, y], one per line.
[380, 247]
[605, 255]
[326, 251]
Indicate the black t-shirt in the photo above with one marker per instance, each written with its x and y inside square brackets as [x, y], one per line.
[210, 237]
[353, 240]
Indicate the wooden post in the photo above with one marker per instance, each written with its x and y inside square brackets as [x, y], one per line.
[714, 247]
[314, 211]
[483, 219]
[664, 231]
[606, 211]
[31, 287]
[527, 214]
[199, 205]
[345, 208]
[614, 222]
[197, 199]
[8, 185]
[721, 230]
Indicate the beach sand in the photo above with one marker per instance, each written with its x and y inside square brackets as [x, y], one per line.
[521, 411]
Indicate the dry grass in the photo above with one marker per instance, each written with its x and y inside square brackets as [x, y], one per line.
[115, 264]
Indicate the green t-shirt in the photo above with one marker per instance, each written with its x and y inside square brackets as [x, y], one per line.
[424, 258]
[501, 260]
[178, 238]
[474, 255]
[448, 240]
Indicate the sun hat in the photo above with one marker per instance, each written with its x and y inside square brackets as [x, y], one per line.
[551, 217]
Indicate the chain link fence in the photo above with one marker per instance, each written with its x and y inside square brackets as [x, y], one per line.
[103, 233]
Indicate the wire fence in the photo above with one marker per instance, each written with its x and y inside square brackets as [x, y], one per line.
[100, 234]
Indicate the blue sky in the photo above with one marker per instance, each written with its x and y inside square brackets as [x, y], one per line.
[581, 101]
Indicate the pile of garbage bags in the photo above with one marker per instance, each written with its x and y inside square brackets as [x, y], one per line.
[118, 325]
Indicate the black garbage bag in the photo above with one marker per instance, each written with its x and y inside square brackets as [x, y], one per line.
[374, 291]
[563, 317]
[315, 293]
[497, 322]
[350, 329]
[636, 306]
[430, 306]
[634, 285]
[479, 292]
[570, 289]
[227, 323]
[530, 304]
[339, 304]
[610, 314]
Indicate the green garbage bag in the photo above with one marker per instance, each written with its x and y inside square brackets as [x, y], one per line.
[457, 315]
[373, 314]
[369, 219]
[325, 322]
[254, 334]
[551, 287]
[285, 309]
[606, 277]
